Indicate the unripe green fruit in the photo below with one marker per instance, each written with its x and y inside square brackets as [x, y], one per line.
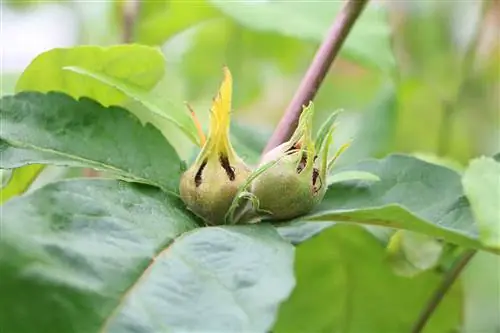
[209, 186]
[292, 179]
[291, 187]
[208, 189]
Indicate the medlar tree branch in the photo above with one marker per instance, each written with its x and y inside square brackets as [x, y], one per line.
[314, 76]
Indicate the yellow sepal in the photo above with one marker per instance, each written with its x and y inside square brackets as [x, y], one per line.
[217, 142]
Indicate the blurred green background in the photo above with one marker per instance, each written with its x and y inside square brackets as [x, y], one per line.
[417, 76]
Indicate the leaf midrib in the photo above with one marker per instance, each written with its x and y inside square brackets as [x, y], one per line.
[89, 162]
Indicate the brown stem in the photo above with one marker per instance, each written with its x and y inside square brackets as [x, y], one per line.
[312, 80]
[130, 12]
[438, 295]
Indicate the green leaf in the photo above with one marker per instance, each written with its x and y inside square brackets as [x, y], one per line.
[496, 157]
[220, 279]
[368, 43]
[481, 183]
[20, 180]
[167, 97]
[14, 158]
[8, 82]
[434, 54]
[440, 160]
[481, 284]
[343, 176]
[158, 117]
[120, 257]
[344, 284]
[23, 5]
[178, 16]
[411, 194]
[135, 65]
[411, 253]
[78, 246]
[24, 173]
[377, 129]
[248, 141]
[4, 176]
[139, 66]
[85, 132]
[298, 232]
[249, 54]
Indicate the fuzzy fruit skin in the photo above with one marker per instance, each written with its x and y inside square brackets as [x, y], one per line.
[209, 186]
[211, 199]
[291, 178]
[284, 192]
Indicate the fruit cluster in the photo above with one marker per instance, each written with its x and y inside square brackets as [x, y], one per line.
[289, 181]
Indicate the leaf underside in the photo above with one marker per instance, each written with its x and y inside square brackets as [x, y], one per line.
[121, 257]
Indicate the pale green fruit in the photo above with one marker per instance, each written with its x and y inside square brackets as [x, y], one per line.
[208, 189]
[292, 187]
[291, 178]
[209, 186]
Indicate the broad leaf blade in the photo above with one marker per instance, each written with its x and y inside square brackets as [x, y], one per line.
[13, 157]
[20, 180]
[411, 194]
[481, 285]
[411, 253]
[171, 20]
[25, 166]
[135, 64]
[158, 116]
[138, 65]
[481, 183]
[88, 133]
[249, 142]
[298, 232]
[78, 246]
[311, 21]
[25, 171]
[344, 284]
[377, 128]
[100, 255]
[396, 216]
[220, 279]
[343, 176]
[496, 157]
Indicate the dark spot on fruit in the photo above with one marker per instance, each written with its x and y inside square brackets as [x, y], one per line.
[224, 162]
[315, 179]
[197, 177]
[293, 149]
[302, 163]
